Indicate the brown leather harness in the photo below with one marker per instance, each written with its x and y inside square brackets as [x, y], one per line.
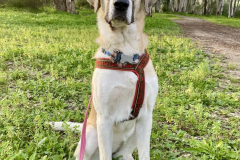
[136, 68]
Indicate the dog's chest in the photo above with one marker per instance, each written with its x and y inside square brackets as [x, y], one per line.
[113, 93]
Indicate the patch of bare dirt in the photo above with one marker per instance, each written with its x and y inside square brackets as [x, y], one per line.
[214, 40]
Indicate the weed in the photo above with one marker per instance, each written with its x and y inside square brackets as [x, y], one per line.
[232, 66]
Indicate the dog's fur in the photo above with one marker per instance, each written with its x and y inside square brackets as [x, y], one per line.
[113, 91]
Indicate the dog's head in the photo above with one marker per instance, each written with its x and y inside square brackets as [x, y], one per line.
[119, 13]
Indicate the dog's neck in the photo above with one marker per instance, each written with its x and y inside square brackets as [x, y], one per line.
[129, 40]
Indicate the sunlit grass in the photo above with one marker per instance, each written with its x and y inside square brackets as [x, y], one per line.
[233, 22]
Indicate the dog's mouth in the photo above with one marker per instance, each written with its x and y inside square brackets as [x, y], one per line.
[118, 21]
[119, 13]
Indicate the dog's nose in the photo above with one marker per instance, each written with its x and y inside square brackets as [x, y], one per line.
[121, 5]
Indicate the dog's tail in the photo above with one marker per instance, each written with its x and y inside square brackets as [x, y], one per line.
[62, 126]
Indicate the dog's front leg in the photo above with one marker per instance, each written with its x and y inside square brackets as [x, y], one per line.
[143, 129]
[105, 137]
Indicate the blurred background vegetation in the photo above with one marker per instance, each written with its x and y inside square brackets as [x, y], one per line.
[39, 4]
[163, 6]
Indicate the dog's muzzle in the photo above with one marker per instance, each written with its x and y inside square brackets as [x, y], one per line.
[120, 13]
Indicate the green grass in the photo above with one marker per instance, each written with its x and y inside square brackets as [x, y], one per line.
[221, 20]
[45, 75]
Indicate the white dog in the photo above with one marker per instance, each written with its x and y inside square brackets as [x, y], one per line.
[110, 133]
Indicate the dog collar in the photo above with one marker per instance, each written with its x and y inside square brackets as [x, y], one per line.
[119, 57]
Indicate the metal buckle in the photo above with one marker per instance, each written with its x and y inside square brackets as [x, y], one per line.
[126, 59]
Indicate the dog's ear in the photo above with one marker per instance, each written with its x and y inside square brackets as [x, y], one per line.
[95, 4]
[148, 4]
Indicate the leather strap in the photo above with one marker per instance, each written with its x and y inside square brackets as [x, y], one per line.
[138, 69]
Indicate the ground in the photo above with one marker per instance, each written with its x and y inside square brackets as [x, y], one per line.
[215, 40]
[46, 67]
